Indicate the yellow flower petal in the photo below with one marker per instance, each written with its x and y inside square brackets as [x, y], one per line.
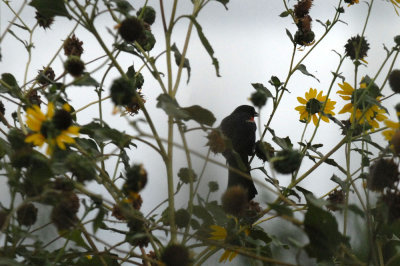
[315, 119]
[224, 256]
[302, 100]
[347, 108]
[50, 110]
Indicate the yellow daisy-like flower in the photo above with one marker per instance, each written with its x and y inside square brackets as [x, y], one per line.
[365, 112]
[351, 2]
[312, 106]
[220, 233]
[54, 128]
[393, 127]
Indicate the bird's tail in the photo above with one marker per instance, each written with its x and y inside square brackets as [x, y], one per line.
[235, 178]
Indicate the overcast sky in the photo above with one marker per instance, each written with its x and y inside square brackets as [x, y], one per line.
[251, 45]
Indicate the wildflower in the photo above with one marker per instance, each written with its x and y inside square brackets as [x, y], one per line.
[216, 141]
[392, 134]
[356, 50]
[360, 99]
[351, 2]
[64, 212]
[131, 29]
[136, 179]
[44, 21]
[383, 174]
[220, 233]
[176, 254]
[335, 198]
[313, 104]
[235, 201]
[47, 128]
[286, 161]
[27, 214]
[73, 46]
[46, 76]
[74, 66]
[394, 80]
[302, 8]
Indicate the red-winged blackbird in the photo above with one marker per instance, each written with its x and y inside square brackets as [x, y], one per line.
[239, 127]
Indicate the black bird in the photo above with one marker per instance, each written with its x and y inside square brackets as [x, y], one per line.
[239, 127]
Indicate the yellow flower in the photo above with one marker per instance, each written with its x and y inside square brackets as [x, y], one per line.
[53, 128]
[365, 112]
[392, 128]
[313, 104]
[351, 2]
[220, 233]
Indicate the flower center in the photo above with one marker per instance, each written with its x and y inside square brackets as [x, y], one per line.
[313, 106]
[62, 119]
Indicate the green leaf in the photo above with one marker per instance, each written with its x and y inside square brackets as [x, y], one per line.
[98, 221]
[338, 181]
[284, 143]
[302, 68]
[178, 59]
[217, 212]
[86, 80]
[200, 115]
[75, 236]
[262, 88]
[171, 107]
[205, 43]
[123, 6]
[284, 14]
[258, 233]
[9, 85]
[50, 8]
[281, 209]
[203, 214]
[274, 81]
[104, 133]
[89, 146]
[290, 35]
[322, 230]
[224, 2]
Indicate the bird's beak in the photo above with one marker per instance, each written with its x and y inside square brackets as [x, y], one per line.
[255, 114]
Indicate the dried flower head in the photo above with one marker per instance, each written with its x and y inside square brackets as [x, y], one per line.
[382, 174]
[73, 46]
[63, 214]
[335, 198]
[74, 66]
[176, 254]
[44, 21]
[136, 179]
[286, 161]
[27, 214]
[235, 201]
[46, 76]
[392, 201]
[216, 141]
[302, 8]
[394, 80]
[131, 29]
[356, 47]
